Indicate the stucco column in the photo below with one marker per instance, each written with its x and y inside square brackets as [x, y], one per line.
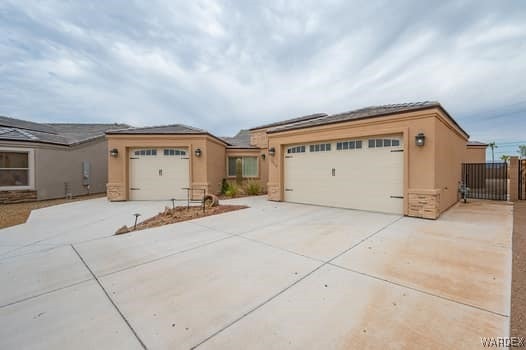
[513, 171]
[274, 173]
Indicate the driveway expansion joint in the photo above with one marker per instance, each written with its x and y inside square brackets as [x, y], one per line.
[418, 290]
[328, 262]
[168, 255]
[46, 293]
[110, 299]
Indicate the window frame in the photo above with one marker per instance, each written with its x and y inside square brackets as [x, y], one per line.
[320, 147]
[380, 143]
[182, 152]
[153, 152]
[30, 168]
[296, 149]
[346, 145]
[242, 166]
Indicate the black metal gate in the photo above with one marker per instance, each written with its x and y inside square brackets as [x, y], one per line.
[486, 180]
[522, 179]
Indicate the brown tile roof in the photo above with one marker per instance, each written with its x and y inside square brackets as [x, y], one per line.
[241, 140]
[69, 134]
[292, 120]
[173, 129]
[159, 129]
[363, 113]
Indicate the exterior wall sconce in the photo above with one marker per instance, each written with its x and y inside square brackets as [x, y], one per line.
[197, 152]
[420, 139]
[263, 156]
[272, 151]
[114, 153]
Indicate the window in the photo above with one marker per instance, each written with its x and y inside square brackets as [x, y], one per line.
[296, 149]
[14, 169]
[378, 143]
[356, 144]
[321, 147]
[174, 152]
[249, 166]
[146, 152]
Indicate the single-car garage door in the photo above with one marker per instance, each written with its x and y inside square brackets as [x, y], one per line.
[364, 174]
[158, 173]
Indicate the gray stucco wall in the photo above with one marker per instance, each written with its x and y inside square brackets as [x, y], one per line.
[57, 165]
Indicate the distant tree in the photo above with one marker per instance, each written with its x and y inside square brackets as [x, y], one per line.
[504, 158]
[522, 151]
[492, 145]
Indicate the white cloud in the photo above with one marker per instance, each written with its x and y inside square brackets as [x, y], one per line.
[224, 65]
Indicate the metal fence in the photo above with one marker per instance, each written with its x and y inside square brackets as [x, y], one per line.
[522, 179]
[486, 180]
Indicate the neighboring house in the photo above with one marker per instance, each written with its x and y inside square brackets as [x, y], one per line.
[401, 158]
[44, 161]
[476, 152]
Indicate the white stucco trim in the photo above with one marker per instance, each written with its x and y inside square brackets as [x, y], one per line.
[31, 165]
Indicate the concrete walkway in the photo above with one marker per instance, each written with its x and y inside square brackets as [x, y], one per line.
[64, 224]
[276, 275]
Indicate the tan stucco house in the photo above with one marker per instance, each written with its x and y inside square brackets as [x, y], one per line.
[44, 161]
[401, 158]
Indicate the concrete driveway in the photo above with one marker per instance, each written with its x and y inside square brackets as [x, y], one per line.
[276, 275]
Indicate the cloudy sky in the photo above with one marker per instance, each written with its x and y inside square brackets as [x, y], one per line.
[226, 65]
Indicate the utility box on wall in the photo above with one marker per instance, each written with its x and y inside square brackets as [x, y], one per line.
[86, 173]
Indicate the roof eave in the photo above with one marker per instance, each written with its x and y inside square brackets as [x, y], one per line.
[36, 141]
[373, 116]
[169, 133]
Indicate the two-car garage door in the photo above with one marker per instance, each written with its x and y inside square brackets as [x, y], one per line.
[158, 173]
[362, 174]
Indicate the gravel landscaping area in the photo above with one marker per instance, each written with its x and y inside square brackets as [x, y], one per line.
[179, 214]
[518, 292]
[17, 213]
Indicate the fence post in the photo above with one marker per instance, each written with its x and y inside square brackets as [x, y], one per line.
[513, 171]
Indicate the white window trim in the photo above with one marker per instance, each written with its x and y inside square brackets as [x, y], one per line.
[31, 168]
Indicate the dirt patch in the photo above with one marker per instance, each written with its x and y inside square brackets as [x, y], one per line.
[17, 213]
[518, 285]
[179, 214]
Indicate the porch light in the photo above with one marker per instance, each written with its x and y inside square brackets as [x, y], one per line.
[420, 139]
[272, 151]
[114, 153]
[263, 156]
[197, 152]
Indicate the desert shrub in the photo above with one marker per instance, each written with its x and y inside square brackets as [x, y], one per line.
[231, 190]
[253, 188]
[224, 186]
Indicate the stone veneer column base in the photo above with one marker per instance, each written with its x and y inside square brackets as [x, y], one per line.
[116, 192]
[273, 192]
[424, 203]
[17, 196]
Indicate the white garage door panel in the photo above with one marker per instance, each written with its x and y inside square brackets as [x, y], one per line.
[364, 178]
[158, 177]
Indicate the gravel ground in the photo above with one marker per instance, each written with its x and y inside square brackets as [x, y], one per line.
[518, 287]
[17, 213]
[179, 214]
